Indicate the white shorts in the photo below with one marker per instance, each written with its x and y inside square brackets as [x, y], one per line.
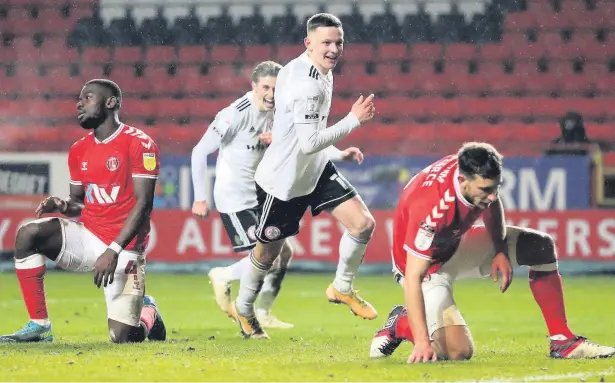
[472, 259]
[81, 249]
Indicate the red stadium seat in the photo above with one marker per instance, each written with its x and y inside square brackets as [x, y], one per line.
[225, 54]
[426, 52]
[520, 22]
[89, 72]
[55, 51]
[546, 107]
[477, 108]
[541, 84]
[285, 53]
[436, 84]
[530, 52]
[127, 55]
[580, 84]
[137, 108]
[470, 84]
[358, 53]
[392, 52]
[389, 69]
[442, 109]
[192, 55]
[168, 108]
[254, 54]
[605, 84]
[495, 52]
[460, 52]
[96, 56]
[511, 107]
[161, 82]
[404, 84]
[506, 84]
[160, 55]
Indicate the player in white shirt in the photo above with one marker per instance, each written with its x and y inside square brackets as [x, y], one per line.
[296, 172]
[241, 133]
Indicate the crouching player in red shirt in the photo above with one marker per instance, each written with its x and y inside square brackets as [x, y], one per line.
[436, 242]
[113, 173]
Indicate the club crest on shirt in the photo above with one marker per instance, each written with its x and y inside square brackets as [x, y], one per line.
[424, 237]
[149, 161]
[113, 163]
[312, 104]
[272, 232]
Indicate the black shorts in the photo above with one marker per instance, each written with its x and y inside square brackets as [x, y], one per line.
[280, 219]
[240, 228]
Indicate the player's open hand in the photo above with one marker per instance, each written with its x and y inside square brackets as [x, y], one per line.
[352, 154]
[422, 353]
[200, 209]
[50, 205]
[501, 264]
[266, 138]
[104, 269]
[364, 108]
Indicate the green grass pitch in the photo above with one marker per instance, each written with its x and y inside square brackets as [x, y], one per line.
[327, 344]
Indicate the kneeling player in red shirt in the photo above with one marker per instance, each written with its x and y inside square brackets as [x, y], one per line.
[436, 242]
[113, 172]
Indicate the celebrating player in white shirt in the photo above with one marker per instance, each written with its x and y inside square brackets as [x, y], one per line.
[296, 172]
[242, 132]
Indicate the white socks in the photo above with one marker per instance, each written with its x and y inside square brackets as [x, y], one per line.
[250, 285]
[352, 251]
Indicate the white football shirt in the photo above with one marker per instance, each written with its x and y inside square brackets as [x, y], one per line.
[297, 157]
[235, 131]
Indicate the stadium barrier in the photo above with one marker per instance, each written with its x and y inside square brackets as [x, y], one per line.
[180, 242]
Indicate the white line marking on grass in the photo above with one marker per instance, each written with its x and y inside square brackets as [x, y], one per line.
[543, 378]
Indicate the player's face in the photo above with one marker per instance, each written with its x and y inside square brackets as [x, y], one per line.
[91, 110]
[479, 191]
[264, 91]
[325, 46]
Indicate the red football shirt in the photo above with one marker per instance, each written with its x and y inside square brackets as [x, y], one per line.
[106, 169]
[431, 216]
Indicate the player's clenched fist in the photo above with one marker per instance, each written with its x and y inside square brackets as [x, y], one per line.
[364, 108]
[50, 205]
[200, 209]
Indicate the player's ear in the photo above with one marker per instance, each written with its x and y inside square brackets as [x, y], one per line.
[111, 102]
[307, 43]
[254, 85]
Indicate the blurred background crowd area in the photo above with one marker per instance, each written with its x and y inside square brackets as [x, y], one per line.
[529, 76]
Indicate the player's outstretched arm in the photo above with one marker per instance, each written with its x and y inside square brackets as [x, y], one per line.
[416, 269]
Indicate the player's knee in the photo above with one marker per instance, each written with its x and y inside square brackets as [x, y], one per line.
[117, 336]
[25, 238]
[462, 352]
[363, 227]
[535, 248]
[286, 254]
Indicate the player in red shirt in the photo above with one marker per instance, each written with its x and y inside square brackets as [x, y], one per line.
[436, 241]
[113, 173]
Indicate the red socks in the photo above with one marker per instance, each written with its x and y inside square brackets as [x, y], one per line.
[402, 327]
[148, 316]
[549, 294]
[32, 285]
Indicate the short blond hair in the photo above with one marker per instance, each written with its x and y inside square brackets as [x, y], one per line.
[264, 69]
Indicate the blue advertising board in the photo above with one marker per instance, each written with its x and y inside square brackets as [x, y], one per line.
[537, 183]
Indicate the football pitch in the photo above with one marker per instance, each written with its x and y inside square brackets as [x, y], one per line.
[327, 344]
